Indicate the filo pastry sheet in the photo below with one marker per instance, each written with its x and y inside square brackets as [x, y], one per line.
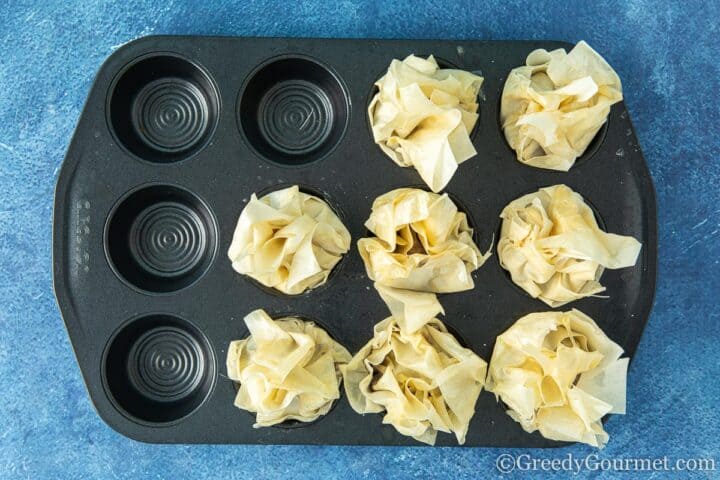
[553, 106]
[288, 240]
[415, 371]
[288, 369]
[554, 249]
[558, 373]
[422, 116]
[422, 242]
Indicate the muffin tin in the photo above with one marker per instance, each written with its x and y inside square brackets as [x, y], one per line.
[178, 132]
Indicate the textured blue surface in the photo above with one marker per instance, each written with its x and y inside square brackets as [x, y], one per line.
[665, 52]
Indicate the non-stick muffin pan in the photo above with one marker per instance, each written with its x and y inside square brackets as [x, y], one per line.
[176, 135]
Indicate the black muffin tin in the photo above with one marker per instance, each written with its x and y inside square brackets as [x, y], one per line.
[178, 132]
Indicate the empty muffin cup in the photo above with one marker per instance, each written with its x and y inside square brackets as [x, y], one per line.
[163, 108]
[158, 368]
[293, 110]
[161, 238]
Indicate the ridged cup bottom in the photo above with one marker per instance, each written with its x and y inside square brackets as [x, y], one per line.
[158, 368]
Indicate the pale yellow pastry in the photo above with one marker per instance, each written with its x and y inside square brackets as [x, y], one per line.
[422, 116]
[553, 106]
[422, 243]
[288, 369]
[553, 248]
[288, 240]
[557, 372]
[414, 371]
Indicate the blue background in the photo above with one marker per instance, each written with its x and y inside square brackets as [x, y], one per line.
[667, 56]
